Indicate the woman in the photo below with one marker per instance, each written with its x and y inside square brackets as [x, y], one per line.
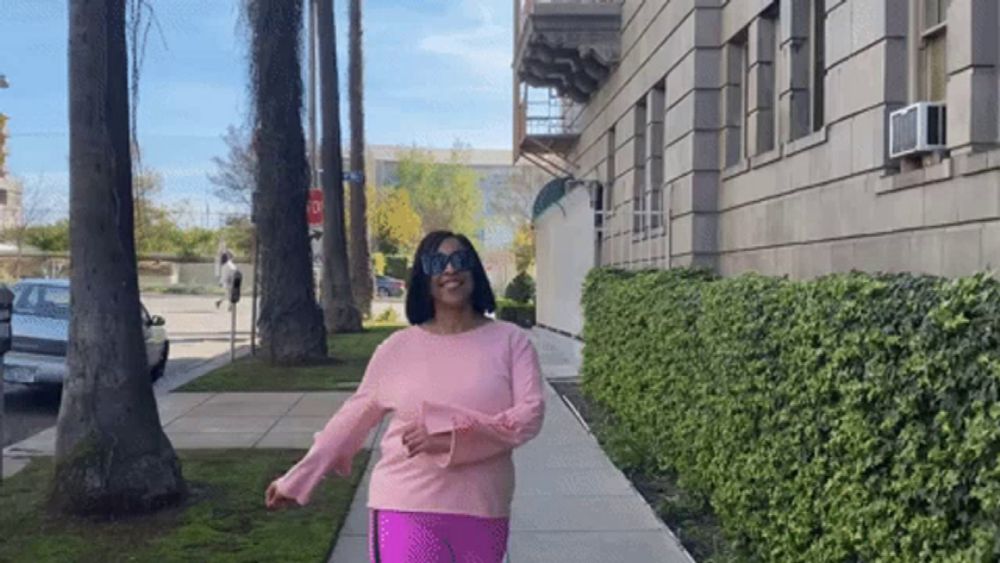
[464, 391]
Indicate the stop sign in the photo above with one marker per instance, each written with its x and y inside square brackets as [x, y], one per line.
[314, 208]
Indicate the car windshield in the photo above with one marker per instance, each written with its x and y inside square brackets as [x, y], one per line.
[42, 301]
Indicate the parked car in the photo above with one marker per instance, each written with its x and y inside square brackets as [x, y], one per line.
[389, 287]
[40, 324]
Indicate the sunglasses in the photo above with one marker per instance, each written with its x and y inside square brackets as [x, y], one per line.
[435, 264]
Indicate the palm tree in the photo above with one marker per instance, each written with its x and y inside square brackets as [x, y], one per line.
[361, 274]
[112, 456]
[338, 302]
[291, 322]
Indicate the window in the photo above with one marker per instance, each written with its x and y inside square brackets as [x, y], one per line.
[818, 66]
[609, 188]
[639, 169]
[654, 166]
[735, 99]
[933, 62]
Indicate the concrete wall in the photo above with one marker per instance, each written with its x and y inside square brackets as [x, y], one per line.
[564, 255]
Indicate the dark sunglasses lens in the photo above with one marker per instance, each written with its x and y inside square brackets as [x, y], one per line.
[462, 260]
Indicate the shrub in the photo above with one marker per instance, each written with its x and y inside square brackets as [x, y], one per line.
[521, 314]
[378, 263]
[850, 418]
[521, 289]
[397, 267]
[389, 316]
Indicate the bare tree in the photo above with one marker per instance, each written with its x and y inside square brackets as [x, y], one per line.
[112, 456]
[27, 206]
[291, 322]
[338, 302]
[235, 179]
[360, 261]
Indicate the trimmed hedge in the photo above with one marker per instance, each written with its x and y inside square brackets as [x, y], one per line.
[522, 314]
[397, 267]
[850, 418]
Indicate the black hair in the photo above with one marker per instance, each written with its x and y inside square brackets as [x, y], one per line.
[420, 304]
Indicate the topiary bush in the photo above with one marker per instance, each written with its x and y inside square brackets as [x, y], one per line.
[851, 418]
[521, 288]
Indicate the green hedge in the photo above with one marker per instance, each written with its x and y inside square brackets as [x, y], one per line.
[522, 314]
[850, 418]
[397, 267]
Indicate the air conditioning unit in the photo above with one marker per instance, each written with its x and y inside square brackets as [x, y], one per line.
[918, 129]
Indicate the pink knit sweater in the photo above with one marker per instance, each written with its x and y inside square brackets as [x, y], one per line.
[482, 385]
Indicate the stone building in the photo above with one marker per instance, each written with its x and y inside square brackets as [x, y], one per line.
[760, 135]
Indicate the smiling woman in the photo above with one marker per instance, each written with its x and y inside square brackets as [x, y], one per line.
[464, 390]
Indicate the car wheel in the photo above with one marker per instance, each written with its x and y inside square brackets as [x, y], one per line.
[383, 292]
[160, 369]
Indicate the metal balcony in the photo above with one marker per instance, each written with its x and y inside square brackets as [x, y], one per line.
[568, 45]
[543, 122]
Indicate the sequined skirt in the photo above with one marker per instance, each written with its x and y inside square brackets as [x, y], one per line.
[429, 537]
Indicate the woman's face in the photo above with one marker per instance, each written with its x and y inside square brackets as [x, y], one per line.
[451, 288]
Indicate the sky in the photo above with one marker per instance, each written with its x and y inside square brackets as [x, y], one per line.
[436, 72]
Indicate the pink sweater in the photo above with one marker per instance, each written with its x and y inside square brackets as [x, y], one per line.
[484, 386]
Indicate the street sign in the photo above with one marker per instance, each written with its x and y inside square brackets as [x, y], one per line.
[314, 208]
[354, 176]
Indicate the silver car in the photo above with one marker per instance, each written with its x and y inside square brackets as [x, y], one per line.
[40, 325]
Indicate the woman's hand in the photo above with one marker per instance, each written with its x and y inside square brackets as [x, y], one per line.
[417, 440]
[275, 500]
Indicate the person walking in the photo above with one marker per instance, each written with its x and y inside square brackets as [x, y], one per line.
[226, 276]
[464, 391]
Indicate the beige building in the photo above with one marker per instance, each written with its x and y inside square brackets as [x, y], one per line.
[761, 135]
[11, 214]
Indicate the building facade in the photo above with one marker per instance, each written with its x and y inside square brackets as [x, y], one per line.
[759, 135]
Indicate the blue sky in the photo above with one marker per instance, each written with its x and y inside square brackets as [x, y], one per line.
[437, 71]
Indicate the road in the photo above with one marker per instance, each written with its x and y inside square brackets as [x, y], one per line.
[198, 332]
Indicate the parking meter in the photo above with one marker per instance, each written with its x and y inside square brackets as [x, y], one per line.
[6, 336]
[234, 290]
[234, 298]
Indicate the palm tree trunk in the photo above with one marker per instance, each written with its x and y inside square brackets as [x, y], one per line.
[112, 456]
[361, 274]
[338, 302]
[290, 322]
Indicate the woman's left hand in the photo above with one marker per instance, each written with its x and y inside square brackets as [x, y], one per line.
[417, 440]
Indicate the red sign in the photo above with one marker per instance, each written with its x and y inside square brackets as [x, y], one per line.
[314, 208]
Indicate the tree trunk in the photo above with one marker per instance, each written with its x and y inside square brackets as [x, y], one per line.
[338, 302]
[112, 456]
[361, 273]
[291, 323]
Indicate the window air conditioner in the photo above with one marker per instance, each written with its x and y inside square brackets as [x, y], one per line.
[918, 129]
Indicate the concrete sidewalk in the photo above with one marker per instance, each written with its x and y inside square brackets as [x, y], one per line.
[219, 421]
[571, 504]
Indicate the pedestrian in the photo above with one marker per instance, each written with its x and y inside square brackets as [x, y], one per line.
[464, 391]
[226, 276]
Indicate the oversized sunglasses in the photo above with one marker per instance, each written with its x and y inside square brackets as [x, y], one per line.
[435, 264]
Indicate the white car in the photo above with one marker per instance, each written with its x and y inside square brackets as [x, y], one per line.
[40, 326]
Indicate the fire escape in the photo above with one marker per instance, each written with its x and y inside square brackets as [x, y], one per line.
[564, 51]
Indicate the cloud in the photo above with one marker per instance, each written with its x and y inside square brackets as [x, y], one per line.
[483, 46]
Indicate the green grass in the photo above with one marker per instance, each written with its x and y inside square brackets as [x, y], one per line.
[223, 519]
[349, 358]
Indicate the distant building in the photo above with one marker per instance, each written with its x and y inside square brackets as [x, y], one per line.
[11, 211]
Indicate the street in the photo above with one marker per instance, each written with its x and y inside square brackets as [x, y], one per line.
[198, 332]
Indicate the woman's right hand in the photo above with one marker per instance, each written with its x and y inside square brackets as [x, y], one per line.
[275, 500]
